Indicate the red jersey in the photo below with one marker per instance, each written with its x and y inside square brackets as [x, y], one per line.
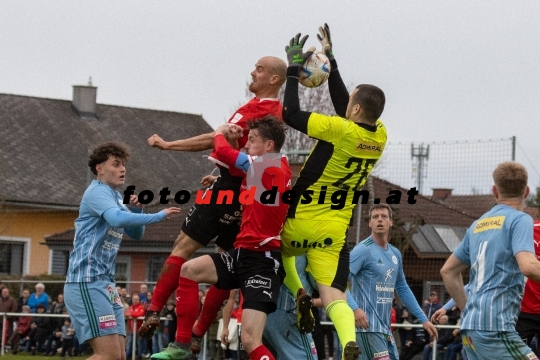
[531, 298]
[254, 109]
[261, 223]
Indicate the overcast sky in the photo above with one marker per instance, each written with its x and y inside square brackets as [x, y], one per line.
[451, 70]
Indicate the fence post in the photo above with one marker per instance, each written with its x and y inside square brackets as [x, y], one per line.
[134, 339]
[4, 322]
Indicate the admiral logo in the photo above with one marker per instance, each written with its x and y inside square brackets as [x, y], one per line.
[370, 146]
[491, 223]
[258, 282]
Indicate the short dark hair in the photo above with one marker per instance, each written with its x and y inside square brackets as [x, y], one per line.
[381, 206]
[270, 128]
[371, 99]
[102, 152]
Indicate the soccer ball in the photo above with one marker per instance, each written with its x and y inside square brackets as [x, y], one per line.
[315, 70]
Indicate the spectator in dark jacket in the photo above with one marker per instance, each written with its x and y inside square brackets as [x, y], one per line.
[23, 300]
[414, 344]
[7, 304]
[39, 330]
[23, 328]
[432, 304]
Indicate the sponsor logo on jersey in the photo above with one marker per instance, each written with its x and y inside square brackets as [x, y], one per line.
[114, 233]
[491, 223]
[384, 288]
[258, 281]
[370, 146]
[110, 246]
[389, 273]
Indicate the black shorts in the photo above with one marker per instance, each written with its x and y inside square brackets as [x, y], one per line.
[207, 221]
[528, 325]
[258, 274]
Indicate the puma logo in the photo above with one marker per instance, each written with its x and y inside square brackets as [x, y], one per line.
[267, 293]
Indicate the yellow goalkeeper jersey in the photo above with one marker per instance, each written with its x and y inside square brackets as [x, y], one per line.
[338, 165]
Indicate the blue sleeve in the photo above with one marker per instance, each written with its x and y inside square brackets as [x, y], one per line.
[451, 303]
[462, 251]
[522, 234]
[124, 219]
[100, 198]
[136, 233]
[352, 304]
[357, 258]
[405, 294]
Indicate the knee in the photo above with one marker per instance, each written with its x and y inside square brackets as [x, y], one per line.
[187, 270]
[249, 342]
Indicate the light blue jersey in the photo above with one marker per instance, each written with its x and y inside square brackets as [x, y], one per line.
[98, 233]
[496, 283]
[375, 273]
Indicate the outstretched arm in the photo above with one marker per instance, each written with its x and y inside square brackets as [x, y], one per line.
[193, 144]
[338, 91]
[292, 115]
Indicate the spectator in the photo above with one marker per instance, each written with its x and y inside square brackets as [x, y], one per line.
[22, 330]
[58, 305]
[38, 297]
[455, 347]
[170, 324]
[445, 338]
[68, 333]
[134, 311]
[23, 300]
[143, 289]
[39, 330]
[415, 343]
[7, 304]
[126, 299]
[432, 304]
[55, 337]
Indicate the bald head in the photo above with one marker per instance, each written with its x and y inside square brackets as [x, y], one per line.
[268, 76]
[277, 67]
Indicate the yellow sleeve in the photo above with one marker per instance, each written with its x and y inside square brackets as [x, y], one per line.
[327, 128]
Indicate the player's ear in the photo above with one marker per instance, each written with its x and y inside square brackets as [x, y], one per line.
[274, 79]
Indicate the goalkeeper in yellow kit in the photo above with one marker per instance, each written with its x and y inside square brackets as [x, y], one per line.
[348, 147]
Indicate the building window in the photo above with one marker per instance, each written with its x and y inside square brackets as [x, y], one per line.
[60, 260]
[155, 264]
[11, 258]
[122, 271]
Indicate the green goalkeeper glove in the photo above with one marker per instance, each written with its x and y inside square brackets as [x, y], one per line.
[326, 42]
[294, 50]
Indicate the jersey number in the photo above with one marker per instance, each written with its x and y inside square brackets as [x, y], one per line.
[363, 166]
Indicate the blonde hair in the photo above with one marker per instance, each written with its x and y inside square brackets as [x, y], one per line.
[510, 179]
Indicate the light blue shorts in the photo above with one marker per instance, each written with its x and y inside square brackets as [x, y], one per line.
[377, 346]
[95, 309]
[495, 345]
[282, 335]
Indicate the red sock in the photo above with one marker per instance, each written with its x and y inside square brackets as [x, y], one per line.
[167, 282]
[187, 308]
[261, 353]
[215, 300]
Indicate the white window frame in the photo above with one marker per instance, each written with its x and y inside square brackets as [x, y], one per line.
[26, 250]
